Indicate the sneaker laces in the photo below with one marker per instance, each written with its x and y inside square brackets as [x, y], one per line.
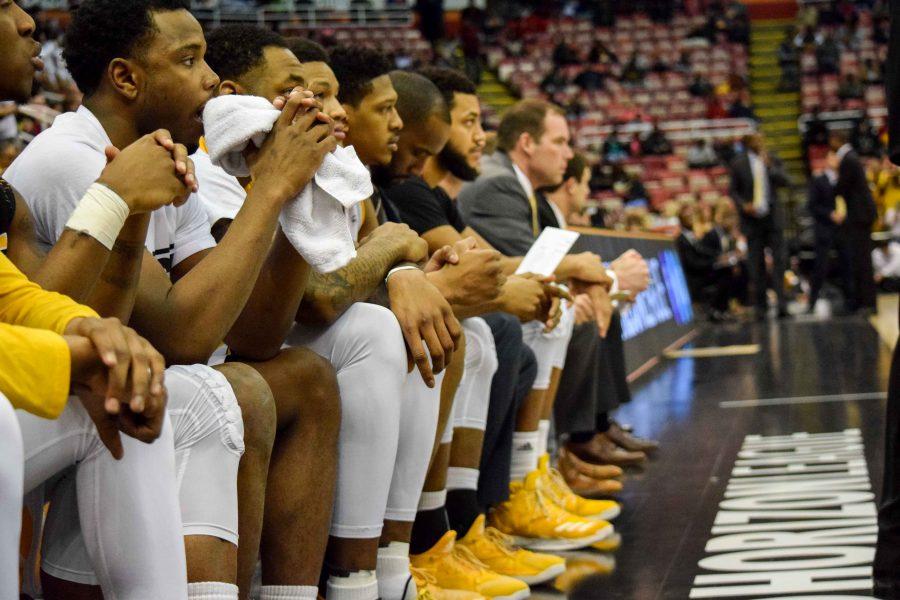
[502, 541]
[424, 575]
[468, 560]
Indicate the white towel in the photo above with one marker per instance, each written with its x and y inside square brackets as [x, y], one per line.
[316, 220]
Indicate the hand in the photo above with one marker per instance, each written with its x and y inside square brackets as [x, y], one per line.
[150, 173]
[632, 272]
[551, 306]
[424, 316]
[449, 255]
[294, 149]
[409, 246]
[837, 218]
[584, 309]
[523, 297]
[601, 303]
[129, 369]
[749, 209]
[475, 279]
[590, 269]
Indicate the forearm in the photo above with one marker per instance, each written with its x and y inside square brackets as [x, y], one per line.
[510, 264]
[329, 295]
[200, 304]
[266, 319]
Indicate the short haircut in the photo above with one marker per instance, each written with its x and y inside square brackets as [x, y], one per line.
[418, 99]
[306, 50]
[449, 81]
[576, 167]
[355, 68]
[102, 30]
[232, 51]
[526, 116]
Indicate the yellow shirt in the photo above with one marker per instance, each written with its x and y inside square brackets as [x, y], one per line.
[34, 358]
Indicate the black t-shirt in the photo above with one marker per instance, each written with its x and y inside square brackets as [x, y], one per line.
[421, 207]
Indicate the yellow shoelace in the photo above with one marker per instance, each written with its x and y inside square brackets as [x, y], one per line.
[501, 540]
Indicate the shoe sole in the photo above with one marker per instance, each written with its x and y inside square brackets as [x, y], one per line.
[563, 544]
[549, 574]
[607, 515]
[520, 595]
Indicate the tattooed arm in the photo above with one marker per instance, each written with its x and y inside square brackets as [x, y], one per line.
[329, 295]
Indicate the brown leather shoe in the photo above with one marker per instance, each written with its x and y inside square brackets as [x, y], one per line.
[603, 451]
[630, 442]
[592, 470]
[584, 484]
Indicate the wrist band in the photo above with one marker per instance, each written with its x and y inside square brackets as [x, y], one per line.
[401, 268]
[100, 214]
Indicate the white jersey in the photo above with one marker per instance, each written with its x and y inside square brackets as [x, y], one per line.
[59, 165]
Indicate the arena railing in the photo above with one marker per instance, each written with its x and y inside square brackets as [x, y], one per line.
[305, 16]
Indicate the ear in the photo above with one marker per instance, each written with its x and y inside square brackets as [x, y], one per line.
[126, 77]
[229, 87]
[571, 184]
[526, 143]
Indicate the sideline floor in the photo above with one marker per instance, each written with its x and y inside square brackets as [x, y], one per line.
[822, 376]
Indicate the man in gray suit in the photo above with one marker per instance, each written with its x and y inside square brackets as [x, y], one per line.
[503, 206]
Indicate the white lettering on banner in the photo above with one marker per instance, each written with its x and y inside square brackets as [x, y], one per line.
[798, 517]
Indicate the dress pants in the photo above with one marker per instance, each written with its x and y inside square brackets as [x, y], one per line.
[594, 381]
[859, 249]
[826, 239]
[761, 234]
[516, 371]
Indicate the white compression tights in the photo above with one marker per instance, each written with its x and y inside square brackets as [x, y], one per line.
[11, 479]
[128, 508]
[208, 433]
[470, 405]
[549, 348]
[383, 409]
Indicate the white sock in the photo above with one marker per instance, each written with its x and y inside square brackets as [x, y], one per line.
[524, 454]
[212, 590]
[544, 431]
[461, 478]
[288, 592]
[394, 579]
[361, 585]
[432, 500]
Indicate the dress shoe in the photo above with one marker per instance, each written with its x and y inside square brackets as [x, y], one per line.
[627, 440]
[602, 450]
[583, 478]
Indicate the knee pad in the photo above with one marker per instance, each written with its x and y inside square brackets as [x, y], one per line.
[470, 405]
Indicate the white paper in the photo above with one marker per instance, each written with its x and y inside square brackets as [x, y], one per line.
[547, 251]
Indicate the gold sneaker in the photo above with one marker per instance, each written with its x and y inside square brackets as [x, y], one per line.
[454, 567]
[562, 494]
[496, 550]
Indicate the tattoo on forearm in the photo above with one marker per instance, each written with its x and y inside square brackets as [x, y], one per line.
[355, 282]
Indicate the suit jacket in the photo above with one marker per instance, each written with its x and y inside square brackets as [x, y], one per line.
[497, 207]
[854, 187]
[742, 189]
[820, 201]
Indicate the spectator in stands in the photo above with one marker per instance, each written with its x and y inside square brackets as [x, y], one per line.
[816, 130]
[554, 82]
[700, 87]
[683, 65]
[741, 110]
[887, 188]
[656, 143]
[614, 149]
[755, 176]
[565, 54]
[870, 73]
[851, 88]
[881, 30]
[601, 54]
[808, 38]
[659, 64]
[634, 146]
[701, 154]
[886, 264]
[789, 61]
[591, 79]
[431, 20]
[635, 69]
[715, 108]
[828, 56]
[865, 139]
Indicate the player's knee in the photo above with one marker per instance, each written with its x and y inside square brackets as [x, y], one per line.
[257, 405]
[314, 381]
